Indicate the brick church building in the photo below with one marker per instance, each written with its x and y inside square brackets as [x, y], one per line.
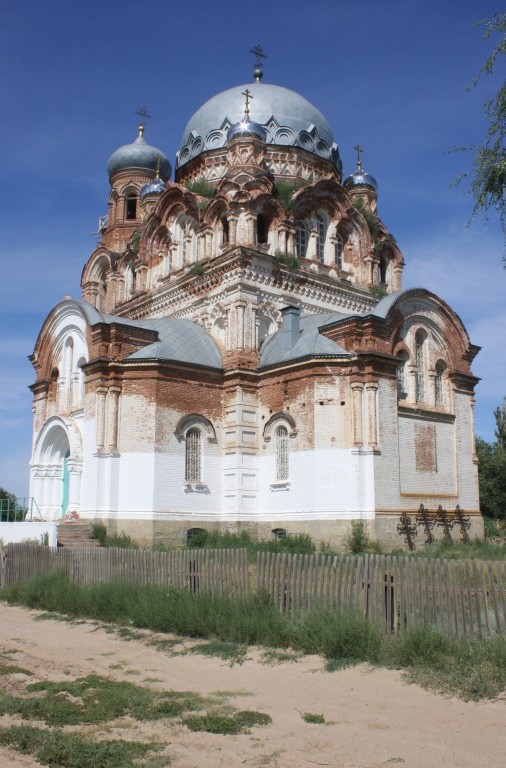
[244, 355]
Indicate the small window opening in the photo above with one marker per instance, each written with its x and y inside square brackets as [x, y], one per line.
[224, 225]
[279, 533]
[131, 206]
[193, 468]
[420, 366]
[262, 228]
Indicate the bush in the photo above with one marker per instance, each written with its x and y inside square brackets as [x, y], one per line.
[357, 541]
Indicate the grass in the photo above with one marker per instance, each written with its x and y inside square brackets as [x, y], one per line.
[58, 748]
[313, 718]
[231, 652]
[471, 668]
[476, 549]
[300, 543]
[95, 699]
[240, 722]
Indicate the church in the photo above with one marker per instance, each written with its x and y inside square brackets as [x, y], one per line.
[244, 356]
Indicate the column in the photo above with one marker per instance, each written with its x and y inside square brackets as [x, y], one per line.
[240, 325]
[372, 414]
[75, 468]
[113, 417]
[100, 417]
[357, 390]
[232, 229]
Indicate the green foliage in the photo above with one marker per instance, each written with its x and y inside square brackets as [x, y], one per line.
[118, 541]
[378, 291]
[10, 510]
[300, 543]
[196, 268]
[240, 722]
[135, 242]
[313, 718]
[477, 549]
[200, 187]
[370, 218]
[59, 748]
[357, 541]
[231, 652]
[471, 668]
[492, 476]
[289, 260]
[285, 191]
[99, 532]
[488, 172]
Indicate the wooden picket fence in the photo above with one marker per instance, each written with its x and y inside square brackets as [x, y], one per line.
[218, 571]
[461, 597]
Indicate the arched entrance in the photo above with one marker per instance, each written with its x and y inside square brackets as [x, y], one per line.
[54, 479]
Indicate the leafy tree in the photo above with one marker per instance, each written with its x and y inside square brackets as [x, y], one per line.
[492, 469]
[7, 503]
[488, 173]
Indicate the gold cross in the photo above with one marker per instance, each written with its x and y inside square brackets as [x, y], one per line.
[359, 151]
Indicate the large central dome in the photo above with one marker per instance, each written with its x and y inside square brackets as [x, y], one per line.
[288, 118]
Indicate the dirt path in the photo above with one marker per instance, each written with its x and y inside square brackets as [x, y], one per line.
[372, 718]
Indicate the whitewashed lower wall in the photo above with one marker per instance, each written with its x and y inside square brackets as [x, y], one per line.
[14, 533]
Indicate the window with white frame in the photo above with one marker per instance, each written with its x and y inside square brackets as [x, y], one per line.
[439, 382]
[420, 353]
[401, 377]
[339, 248]
[282, 454]
[301, 239]
[320, 237]
[193, 456]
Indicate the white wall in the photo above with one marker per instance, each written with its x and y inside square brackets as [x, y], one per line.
[13, 533]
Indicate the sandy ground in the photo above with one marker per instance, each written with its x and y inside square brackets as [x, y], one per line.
[372, 718]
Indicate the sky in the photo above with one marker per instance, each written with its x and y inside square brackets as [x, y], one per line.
[392, 75]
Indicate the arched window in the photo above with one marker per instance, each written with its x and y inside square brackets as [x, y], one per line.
[382, 270]
[401, 377]
[420, 365]
[224, 230]
[282, 446]
[131, 205]
[279, 533]
[320, 237]
[301, 240]
[262, 229]
[439, 382]
[193, 457]
[339, 248]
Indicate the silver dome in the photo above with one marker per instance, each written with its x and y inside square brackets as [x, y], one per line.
[246, 128]
[155, 187]
[360, 178]
[287, 117]
[140, 155]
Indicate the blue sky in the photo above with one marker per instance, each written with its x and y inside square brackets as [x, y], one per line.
[390, 74]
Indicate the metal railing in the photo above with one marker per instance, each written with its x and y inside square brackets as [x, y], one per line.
[20, 510]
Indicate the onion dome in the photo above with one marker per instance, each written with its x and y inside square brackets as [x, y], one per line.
[139, 156]
[155, 187]
[246, 128]
[287, 118]
[359, 178]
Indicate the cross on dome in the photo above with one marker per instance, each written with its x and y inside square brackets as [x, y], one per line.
[259, 54]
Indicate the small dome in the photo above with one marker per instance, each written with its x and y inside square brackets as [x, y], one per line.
[246, 128]
[139, 155]
[360, 178]
[155, 187]
[287, 118]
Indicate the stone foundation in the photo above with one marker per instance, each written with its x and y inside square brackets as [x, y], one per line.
[327, 533]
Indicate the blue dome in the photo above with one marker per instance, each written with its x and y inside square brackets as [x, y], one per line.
[246, 128]
[360, 178]
[139, 155]
[287, 118]
[155, 187]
